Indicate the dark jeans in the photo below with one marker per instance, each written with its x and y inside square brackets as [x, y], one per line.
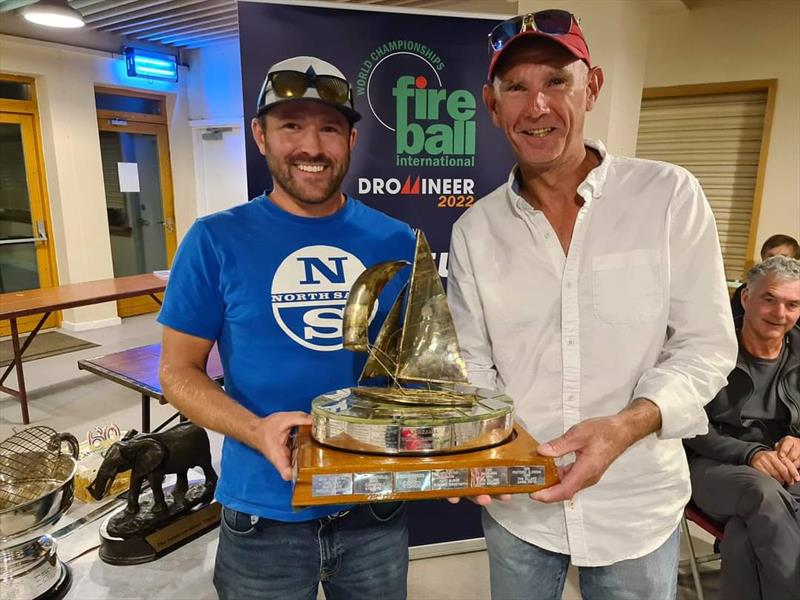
[761, 546]
[360, 555]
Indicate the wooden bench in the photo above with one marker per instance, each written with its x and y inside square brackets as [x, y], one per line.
[137, 369]
[14, 305]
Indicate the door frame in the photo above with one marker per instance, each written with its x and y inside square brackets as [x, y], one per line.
[26, 113]
[147, 124]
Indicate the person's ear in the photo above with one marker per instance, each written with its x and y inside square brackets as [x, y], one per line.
[594, 84]
[490, 101]
[259, 135]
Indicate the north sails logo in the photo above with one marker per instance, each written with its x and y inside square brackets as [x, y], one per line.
[309, 291]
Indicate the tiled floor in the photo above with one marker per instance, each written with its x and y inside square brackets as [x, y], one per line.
[66, 399]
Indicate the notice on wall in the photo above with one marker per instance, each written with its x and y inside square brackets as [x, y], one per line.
[128, 176]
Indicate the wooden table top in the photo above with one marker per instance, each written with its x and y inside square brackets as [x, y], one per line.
[28, 302]
[137, 368]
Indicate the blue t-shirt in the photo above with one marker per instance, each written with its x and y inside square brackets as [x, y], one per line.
[270, 288]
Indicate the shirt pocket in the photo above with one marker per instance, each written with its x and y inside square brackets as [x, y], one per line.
[627, 286]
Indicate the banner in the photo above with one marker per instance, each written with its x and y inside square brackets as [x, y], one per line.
[426, 147]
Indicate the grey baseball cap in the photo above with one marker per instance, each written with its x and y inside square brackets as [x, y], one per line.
[307, 78]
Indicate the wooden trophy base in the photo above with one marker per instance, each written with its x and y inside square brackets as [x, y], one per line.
[324, 475]
[154, 544]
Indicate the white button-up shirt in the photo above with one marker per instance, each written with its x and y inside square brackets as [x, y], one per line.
[638, 308]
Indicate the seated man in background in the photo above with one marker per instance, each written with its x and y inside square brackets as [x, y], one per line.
[745, 469]
[776, 245]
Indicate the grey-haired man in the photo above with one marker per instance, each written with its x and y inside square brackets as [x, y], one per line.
[746, 469]
[267, 281]
[590, 288]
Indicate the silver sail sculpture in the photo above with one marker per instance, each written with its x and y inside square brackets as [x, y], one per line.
[428, 406]
[420, 348]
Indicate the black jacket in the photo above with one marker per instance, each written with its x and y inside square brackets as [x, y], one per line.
[736, 303]
[727, 432]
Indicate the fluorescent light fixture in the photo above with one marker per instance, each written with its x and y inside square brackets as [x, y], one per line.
[53, 13]
[151, 65]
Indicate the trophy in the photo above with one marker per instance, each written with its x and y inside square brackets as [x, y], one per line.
[428, 433]
[153, 524]
[36, 489]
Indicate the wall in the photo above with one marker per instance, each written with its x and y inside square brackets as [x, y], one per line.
[728, 41]
[214, 87]
[65, 80]
[214, 82]
[715, 41]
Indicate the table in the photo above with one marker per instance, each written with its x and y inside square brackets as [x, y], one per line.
[137, 369]
[47, 300]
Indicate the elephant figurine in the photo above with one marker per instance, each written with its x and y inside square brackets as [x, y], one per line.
[151, 456]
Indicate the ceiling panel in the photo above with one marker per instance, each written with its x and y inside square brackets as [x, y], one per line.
[195, 23]
[175, 23]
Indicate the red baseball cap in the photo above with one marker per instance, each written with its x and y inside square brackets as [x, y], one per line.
[556, 25]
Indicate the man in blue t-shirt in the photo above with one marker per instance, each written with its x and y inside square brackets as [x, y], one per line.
[267, 281]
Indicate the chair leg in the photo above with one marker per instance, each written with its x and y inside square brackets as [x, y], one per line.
[698, 586]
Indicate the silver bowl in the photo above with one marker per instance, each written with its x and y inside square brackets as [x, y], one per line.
[344, 419]
[45, 509]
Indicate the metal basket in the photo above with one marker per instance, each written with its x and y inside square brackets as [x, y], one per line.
[35, 479]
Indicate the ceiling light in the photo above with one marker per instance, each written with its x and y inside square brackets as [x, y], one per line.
[53, 13]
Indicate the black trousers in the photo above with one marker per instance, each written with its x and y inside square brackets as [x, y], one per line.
[761, 546]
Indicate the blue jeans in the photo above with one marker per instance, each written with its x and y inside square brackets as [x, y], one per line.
[521, 570]
[359, 555]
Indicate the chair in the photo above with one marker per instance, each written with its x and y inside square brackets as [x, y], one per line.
[696, 516]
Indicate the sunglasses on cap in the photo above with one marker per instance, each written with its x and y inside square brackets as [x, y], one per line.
[552, 22]
[294, 84]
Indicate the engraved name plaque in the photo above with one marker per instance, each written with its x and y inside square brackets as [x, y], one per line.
[332, 476]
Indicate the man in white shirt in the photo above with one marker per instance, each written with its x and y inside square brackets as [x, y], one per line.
[591, 289]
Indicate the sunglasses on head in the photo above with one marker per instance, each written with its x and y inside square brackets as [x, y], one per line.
[551, 22]
[294, 84]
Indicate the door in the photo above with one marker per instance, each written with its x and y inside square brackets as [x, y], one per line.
[139, 204]
[26, 254]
